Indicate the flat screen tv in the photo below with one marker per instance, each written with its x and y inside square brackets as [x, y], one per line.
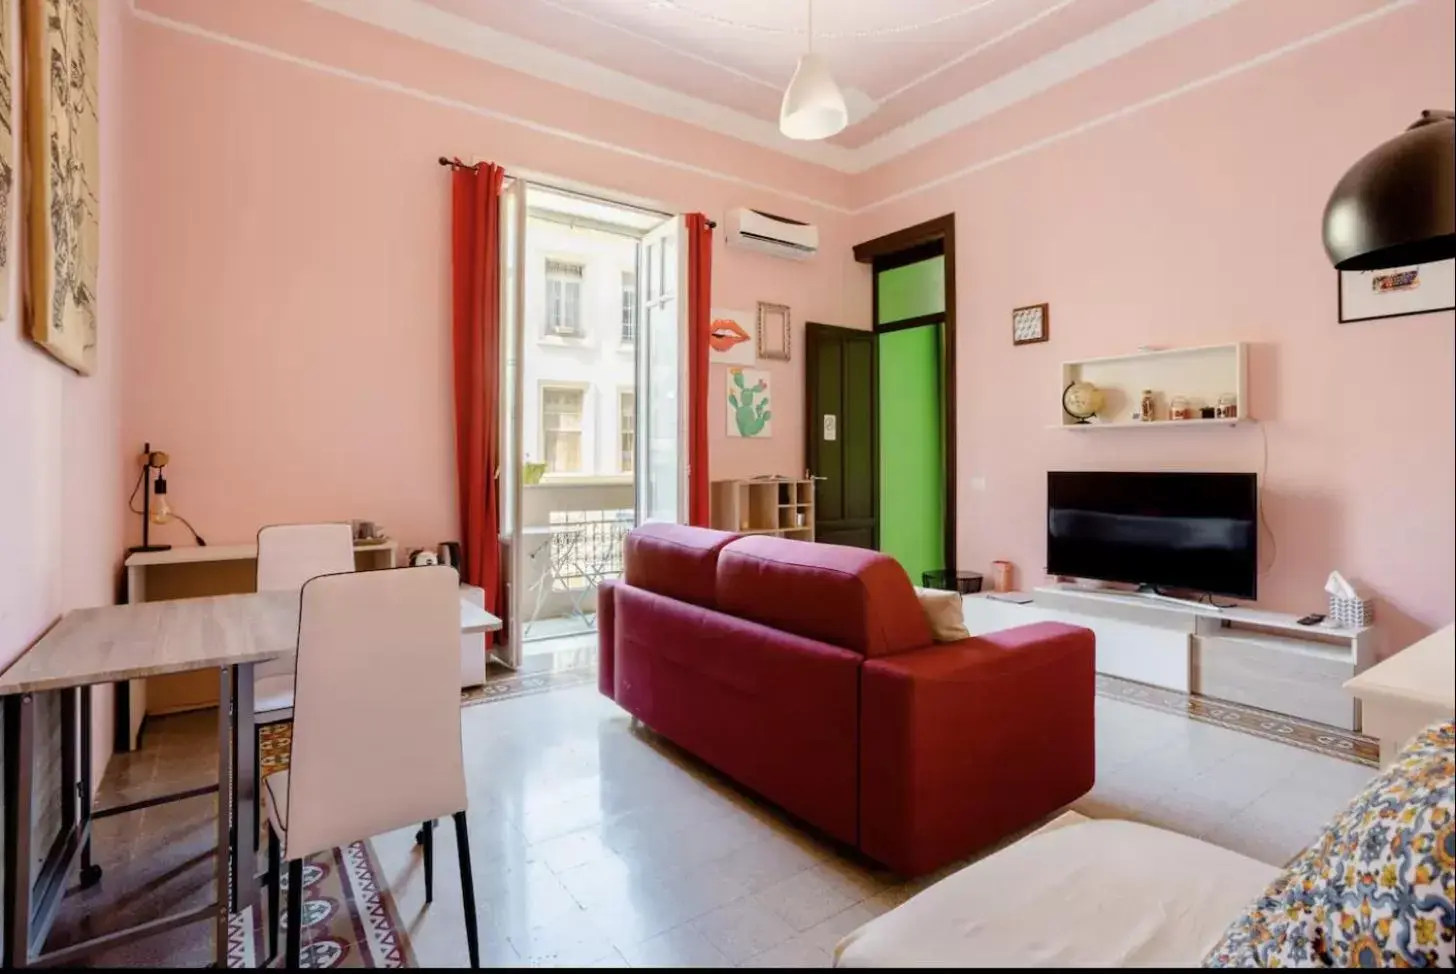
[1192, 531]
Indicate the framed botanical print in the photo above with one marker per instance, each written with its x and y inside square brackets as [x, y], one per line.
[62, 138]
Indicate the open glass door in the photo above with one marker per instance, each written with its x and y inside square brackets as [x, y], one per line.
[662, 375]
[509, 474]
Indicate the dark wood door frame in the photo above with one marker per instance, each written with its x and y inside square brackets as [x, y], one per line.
[908, 246]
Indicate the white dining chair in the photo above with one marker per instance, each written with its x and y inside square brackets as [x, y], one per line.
[288, 556]
[376, 729]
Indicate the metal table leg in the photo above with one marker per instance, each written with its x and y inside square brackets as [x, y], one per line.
[224, 813]
[245, 797]
[19, 768]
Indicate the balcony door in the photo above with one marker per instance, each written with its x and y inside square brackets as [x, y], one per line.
[662, 375]
[512, 324]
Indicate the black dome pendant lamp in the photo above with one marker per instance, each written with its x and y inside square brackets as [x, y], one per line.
[1397, 205]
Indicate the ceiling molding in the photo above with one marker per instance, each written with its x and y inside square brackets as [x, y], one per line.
[253, 47]
[1249, 64]
[432, 25]
[1107, 43]
[440, 28]
[1035, 145]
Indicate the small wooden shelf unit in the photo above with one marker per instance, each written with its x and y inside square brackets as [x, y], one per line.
[784, 508]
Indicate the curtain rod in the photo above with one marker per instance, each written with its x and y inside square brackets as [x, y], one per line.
[457, 164]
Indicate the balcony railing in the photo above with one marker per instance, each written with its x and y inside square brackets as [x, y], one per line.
[586, 546]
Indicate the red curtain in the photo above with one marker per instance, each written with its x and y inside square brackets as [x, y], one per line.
[475, 272]
[700, 299]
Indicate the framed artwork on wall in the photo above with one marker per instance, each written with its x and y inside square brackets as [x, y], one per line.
[750, 412]
[1397, 291]
[62, 139]
[730, 337]
[7, 157]
[773, 331]
[1031, 324]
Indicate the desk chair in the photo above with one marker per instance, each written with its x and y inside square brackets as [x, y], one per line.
[288, 556]
[376, 729]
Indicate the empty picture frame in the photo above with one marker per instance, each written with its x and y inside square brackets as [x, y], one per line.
[773, 331]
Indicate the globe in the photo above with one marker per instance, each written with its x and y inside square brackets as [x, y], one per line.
[1082, 400]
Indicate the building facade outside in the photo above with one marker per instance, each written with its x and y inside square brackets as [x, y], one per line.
[579, 350]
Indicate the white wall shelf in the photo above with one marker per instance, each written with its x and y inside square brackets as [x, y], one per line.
[1159, 424]
[1201, 375]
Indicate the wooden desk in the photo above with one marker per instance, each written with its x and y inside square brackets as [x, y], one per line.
[188, 573]
[1413, 688]
[222, 635]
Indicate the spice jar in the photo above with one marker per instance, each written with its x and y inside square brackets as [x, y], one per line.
[1146, 407]
[1178, 408]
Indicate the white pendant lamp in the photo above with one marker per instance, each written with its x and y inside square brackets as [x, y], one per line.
[813, 105]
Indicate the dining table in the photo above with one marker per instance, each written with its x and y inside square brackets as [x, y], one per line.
[104, 645]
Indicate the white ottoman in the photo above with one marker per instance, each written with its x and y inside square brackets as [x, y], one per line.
[1089, 894]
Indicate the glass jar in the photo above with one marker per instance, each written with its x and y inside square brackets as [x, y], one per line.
[1178, 408]
[1228, 406]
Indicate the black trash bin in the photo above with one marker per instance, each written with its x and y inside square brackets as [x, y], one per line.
[963, 582]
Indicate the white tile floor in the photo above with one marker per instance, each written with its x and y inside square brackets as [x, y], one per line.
[597, 845]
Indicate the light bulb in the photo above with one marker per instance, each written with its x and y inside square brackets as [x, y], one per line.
[161, 510]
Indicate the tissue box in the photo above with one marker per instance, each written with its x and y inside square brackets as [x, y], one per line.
[1351, 613]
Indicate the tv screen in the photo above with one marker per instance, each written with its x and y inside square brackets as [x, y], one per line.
[1195, 531]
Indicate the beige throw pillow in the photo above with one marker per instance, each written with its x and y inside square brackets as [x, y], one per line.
[944, 613]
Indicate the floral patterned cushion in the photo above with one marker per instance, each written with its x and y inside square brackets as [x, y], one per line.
[1376, 889]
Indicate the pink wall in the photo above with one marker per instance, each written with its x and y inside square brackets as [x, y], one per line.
[291, 277]
[1197, 221]
[61, 498]
[292, 271]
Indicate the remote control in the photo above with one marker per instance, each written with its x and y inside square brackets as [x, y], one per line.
[1314, 618]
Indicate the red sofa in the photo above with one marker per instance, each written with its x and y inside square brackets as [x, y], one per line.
[807, 673]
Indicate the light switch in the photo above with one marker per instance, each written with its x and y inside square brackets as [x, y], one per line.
[978, 483]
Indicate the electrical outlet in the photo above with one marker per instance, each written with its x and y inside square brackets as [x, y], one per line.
[978, 483]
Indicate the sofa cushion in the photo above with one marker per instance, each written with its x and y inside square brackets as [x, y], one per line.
[860, 600]
[675, 560]
[945, 614]
[1375, 890]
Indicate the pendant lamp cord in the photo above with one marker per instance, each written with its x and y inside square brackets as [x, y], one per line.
[811, 26]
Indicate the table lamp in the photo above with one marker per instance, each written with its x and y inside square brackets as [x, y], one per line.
[159, 511]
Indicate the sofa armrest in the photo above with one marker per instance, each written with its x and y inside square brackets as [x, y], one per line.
[963, 743]
[606, 638]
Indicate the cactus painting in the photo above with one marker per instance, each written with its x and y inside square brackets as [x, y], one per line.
[749, 403]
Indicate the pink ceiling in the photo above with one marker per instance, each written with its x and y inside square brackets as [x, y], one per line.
[908, 56]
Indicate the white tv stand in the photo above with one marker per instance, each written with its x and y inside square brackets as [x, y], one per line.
[1262, 659]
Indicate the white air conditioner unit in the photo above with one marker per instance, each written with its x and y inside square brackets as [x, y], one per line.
[769, 234]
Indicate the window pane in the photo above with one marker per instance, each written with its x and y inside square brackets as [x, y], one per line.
[563, 297]
[561, 414]
[629, 306]
[628, 428]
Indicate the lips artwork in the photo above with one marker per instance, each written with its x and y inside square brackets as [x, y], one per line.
[729, 339]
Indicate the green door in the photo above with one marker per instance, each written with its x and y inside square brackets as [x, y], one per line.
[910, 323]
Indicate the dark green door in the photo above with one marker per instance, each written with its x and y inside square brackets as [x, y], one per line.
[841, 449]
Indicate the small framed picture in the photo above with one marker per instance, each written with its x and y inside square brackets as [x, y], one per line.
[1394, 292]
[773, 331]
[1031, 324]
